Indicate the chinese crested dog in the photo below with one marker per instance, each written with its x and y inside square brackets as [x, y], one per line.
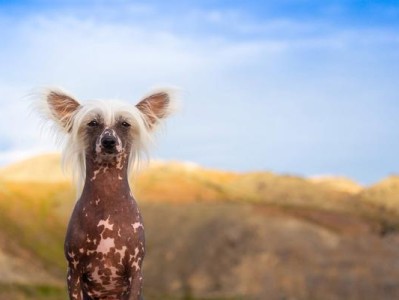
[104, 243]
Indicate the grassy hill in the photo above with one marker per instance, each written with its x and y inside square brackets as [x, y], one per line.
[384, 194]
[214, 234]
[44, 168]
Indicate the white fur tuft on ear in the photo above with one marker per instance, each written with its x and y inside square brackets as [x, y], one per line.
[59, 107]
[157, 105]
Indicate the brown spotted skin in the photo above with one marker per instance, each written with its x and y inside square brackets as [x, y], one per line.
[104, 243]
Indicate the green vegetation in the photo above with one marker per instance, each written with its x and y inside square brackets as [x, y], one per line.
[32, 292]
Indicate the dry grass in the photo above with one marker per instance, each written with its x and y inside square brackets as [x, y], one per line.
[43, 168]
[216, 235]
[341, 184]
[384, 194]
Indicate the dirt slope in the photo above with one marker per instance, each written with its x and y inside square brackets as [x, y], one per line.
[214, 234]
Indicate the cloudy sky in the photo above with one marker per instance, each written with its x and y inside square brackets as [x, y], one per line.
[303, 87]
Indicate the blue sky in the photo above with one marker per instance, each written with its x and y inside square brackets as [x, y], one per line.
[299, 87]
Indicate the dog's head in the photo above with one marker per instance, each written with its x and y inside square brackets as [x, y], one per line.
[106, 130]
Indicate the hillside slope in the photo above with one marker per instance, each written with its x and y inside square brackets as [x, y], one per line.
[385, 194]
[43, 168]
[214, 234]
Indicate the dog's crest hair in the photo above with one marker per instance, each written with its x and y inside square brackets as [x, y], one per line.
[66, 129]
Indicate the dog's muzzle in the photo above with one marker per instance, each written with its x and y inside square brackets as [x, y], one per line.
[108, 143]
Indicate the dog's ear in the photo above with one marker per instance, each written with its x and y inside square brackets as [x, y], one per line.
[62, 108]
[156, 107]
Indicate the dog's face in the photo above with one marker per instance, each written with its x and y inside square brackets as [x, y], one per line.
[105, 130]
[105, 139]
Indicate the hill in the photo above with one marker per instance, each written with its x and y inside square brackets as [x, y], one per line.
[384, 194]
[338, 183]
[213, 234]
[43, 168]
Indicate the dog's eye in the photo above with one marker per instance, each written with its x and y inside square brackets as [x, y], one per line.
[92, 123]
[125, 124]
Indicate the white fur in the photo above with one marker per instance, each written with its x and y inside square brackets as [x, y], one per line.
[73, 153]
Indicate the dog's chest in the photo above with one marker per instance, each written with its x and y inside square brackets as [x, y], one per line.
[106, 245]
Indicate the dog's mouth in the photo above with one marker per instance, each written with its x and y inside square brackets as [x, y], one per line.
[110, 151]
[107, 154]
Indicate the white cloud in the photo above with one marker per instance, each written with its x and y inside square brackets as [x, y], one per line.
[256, 94]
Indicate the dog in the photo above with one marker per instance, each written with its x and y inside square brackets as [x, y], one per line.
[104, 140]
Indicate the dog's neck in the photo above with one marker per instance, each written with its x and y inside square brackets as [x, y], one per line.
[107, 178]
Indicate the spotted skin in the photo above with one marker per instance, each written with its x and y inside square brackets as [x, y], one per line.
[105, 243]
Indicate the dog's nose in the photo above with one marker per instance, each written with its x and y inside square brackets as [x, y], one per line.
[108, 142]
